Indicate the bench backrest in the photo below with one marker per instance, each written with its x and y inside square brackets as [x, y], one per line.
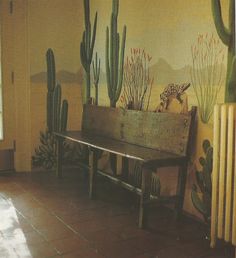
[163, 131]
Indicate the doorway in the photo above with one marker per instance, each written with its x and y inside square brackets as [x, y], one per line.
[7, 107]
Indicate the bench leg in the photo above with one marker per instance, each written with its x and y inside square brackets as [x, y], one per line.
[59, 156]
[182, 176]
[145, 196]
[93, 174]
[113, 163]
[125, 168]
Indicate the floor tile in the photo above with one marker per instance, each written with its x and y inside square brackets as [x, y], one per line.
[56, 232]
[117, 249]
[71, 244]
[102, 236]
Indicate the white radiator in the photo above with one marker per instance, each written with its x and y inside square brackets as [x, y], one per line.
[223, 213]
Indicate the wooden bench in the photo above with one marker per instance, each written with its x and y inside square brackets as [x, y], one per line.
[154, 139]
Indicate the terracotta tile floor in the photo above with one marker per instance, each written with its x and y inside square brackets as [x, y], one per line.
[42, 216]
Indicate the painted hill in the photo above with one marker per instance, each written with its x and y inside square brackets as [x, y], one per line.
[164, 73]
[62, 76]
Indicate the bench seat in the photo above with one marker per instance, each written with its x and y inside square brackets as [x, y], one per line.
[131, 151]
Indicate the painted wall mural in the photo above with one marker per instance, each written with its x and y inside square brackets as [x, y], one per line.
[179, 40]
[183, 43]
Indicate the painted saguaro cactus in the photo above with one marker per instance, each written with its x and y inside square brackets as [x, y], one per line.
[59, 111]
[87, 46]
[227, 35]
[96, 76]
[54, 107]
[51, 83]
[114, 57]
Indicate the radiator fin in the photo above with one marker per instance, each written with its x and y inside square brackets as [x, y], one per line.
[223, 217]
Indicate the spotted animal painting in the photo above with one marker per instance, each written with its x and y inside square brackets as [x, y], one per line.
[170, 92]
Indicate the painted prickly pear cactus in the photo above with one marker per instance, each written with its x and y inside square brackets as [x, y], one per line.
[114, 57]
[227, 35]
[201, 193]
[87, 46]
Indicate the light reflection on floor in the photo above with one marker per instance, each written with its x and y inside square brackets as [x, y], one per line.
[12, 235]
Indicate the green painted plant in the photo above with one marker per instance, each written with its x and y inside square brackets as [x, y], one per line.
[57, 115]
[227, 35]
[201, 193]
[114, 56]
[207, 73]
[60, 111]
[51, 83]
[96, 75]
[45, 154]
[114, 64]
[87, 46]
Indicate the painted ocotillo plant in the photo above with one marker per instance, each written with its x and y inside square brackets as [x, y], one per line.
[87, 46]
[114, 56]
[206, 73]
[96, 75]
[137, 80]
[227, 35]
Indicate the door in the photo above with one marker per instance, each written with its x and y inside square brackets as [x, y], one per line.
[7, 106]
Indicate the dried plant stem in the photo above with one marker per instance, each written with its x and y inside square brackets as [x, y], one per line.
[137, 80]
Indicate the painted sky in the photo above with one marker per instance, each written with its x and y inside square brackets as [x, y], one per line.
[55, 24]
[165, 29]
